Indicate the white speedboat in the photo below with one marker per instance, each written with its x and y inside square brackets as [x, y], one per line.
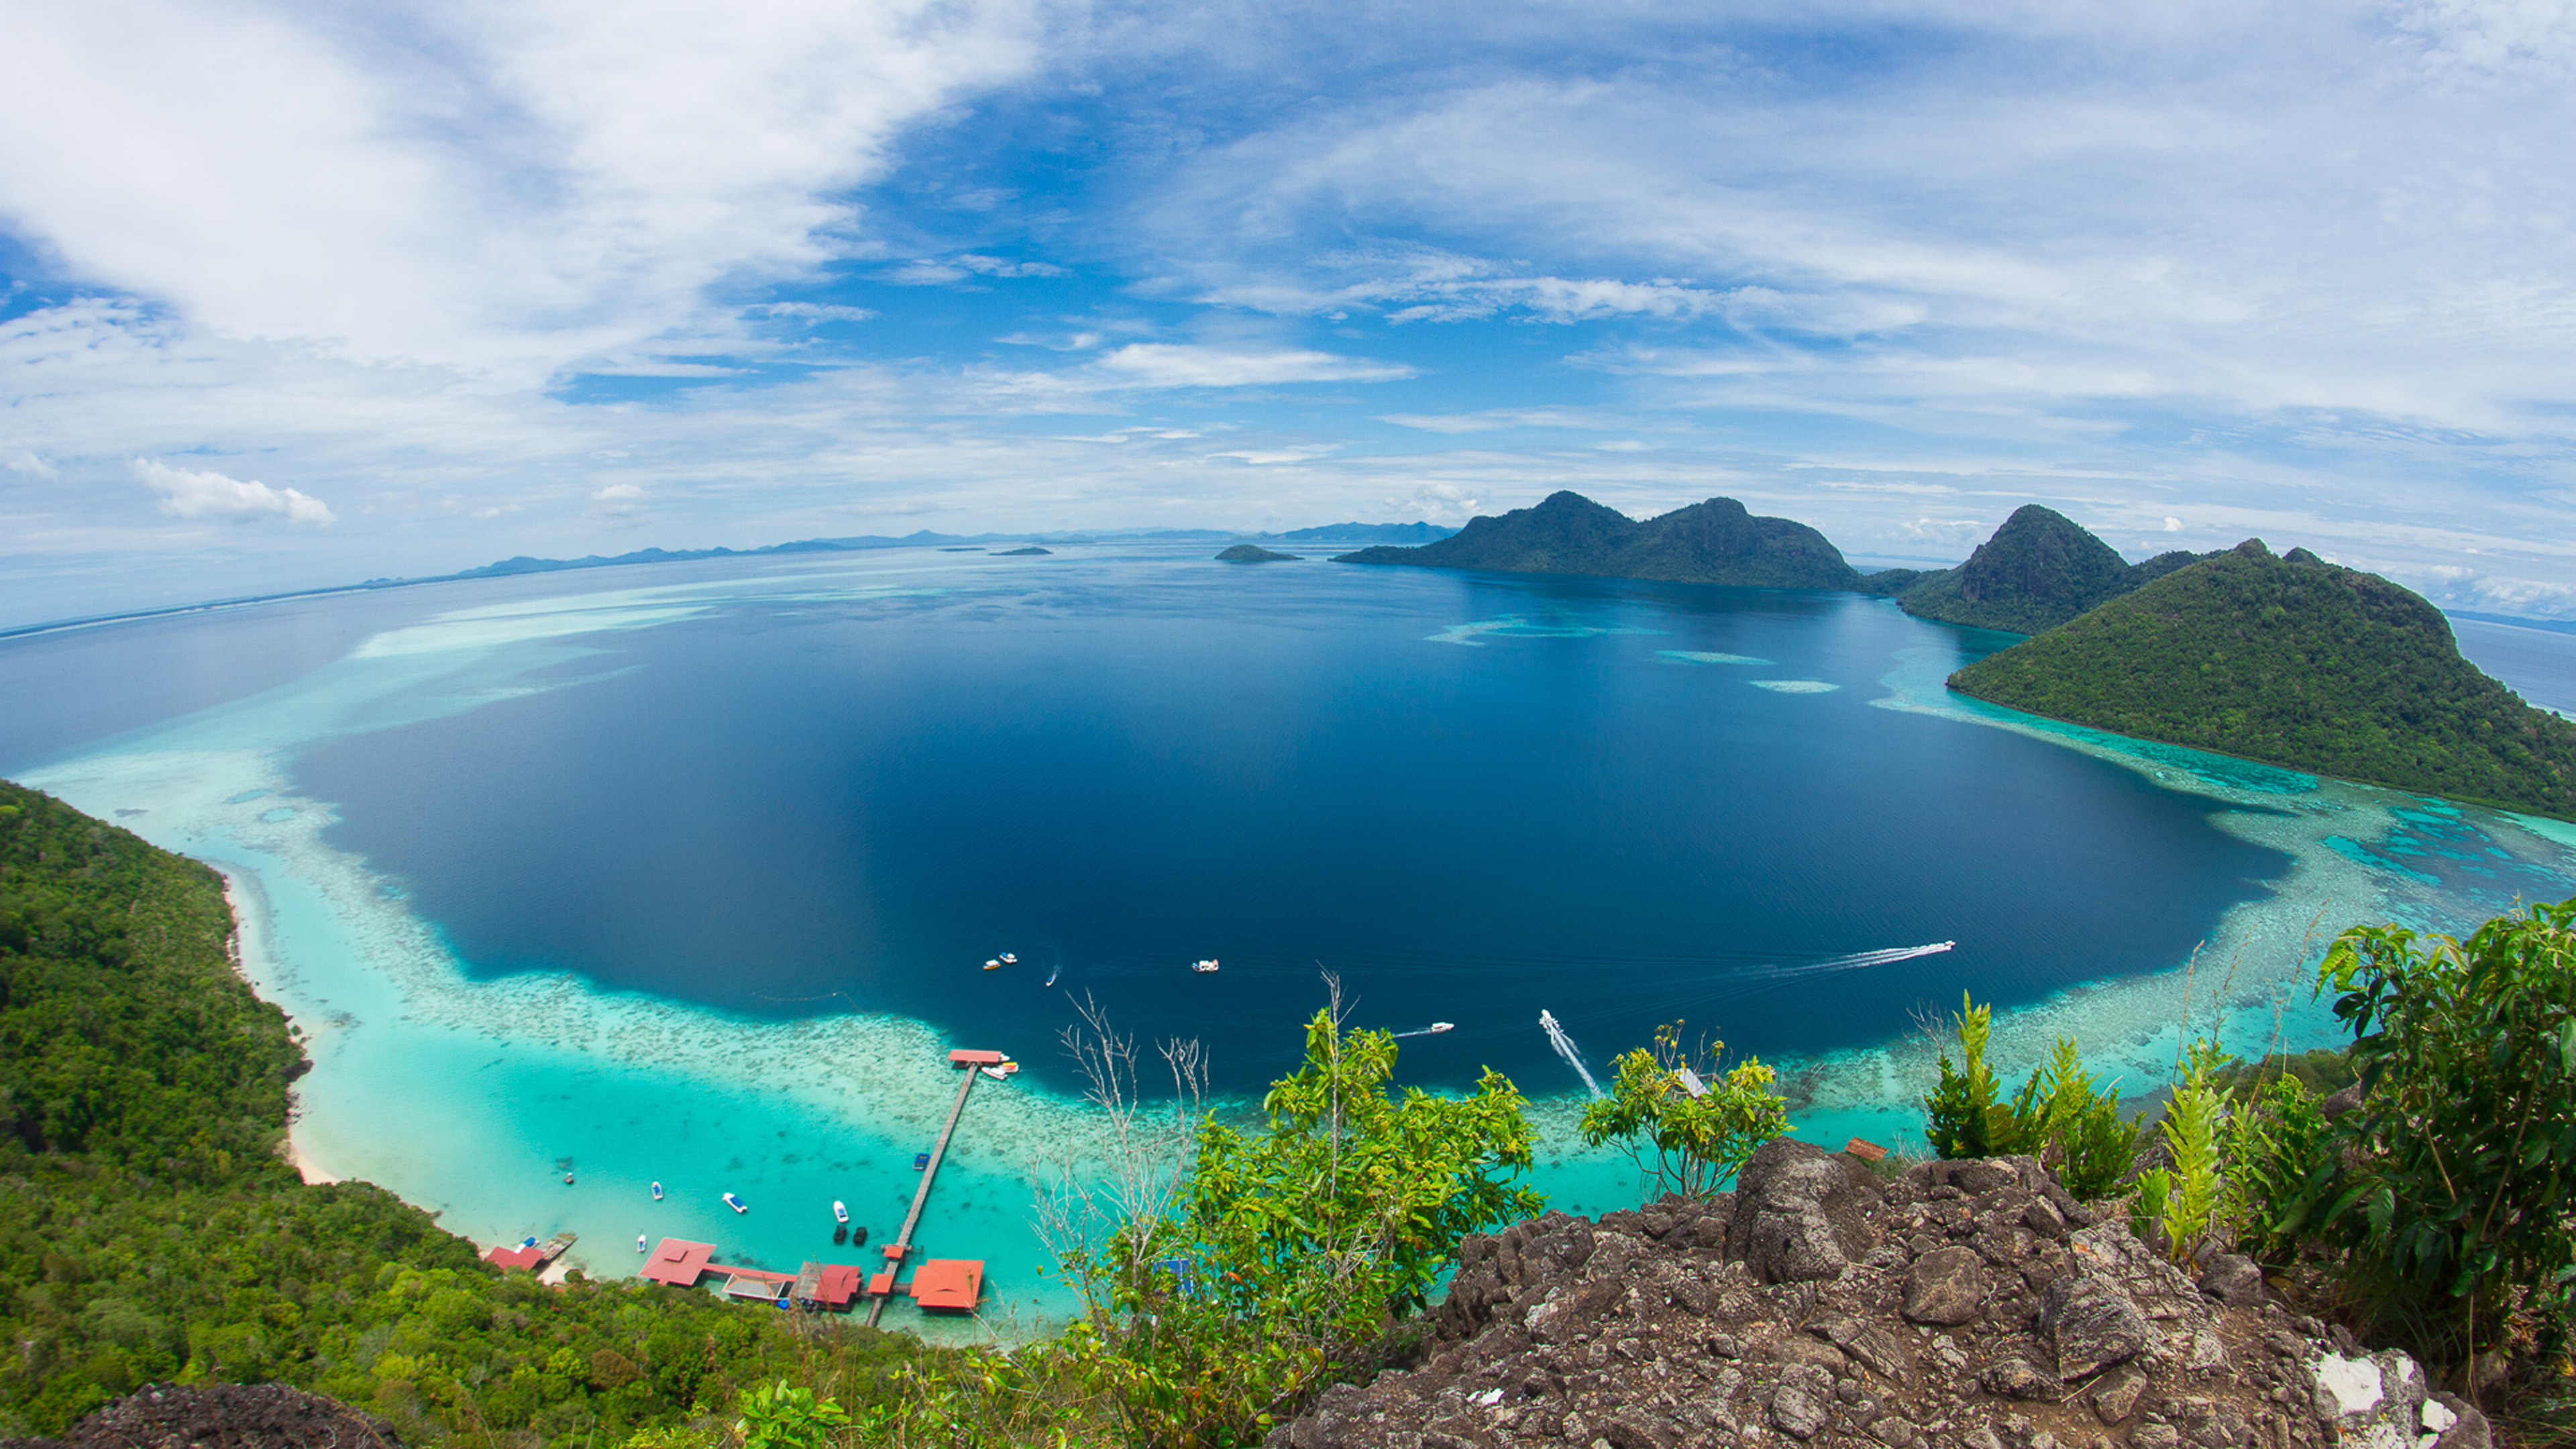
[993, 965]
[1010, 960]
[657, 1192]
[1204, 966]
[639, 1243]
[736, 1203]
[840, 1211]
[1438, 1027]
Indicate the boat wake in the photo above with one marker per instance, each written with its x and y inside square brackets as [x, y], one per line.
[1565, 1048]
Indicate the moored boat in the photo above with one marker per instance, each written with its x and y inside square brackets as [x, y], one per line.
[736, 1203]
[1204, 966]
[657, 1192]
[840, 1211]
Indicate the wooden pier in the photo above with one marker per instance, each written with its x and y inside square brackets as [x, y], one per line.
[881, 1287]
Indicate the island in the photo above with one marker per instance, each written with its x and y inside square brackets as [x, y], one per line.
[1716, 542]
[2039, 570]
[2297, 662]
[1254, 553]
[1032, 551]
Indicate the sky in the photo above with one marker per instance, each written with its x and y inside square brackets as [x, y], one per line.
[297, 294]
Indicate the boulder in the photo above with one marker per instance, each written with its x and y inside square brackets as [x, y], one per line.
[1947, 1286]
[2234, 1279]
[2374, 1401]
[2091, 1323]
[1801, 1214]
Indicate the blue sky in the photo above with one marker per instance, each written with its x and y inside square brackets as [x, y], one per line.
[301, 293]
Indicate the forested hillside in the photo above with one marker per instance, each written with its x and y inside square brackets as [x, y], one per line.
[149, 1231]
[2039, 570]
[2293, 661]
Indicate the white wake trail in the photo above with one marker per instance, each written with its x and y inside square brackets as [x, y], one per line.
[1565, 1048]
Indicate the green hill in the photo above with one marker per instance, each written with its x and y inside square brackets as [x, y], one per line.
[150, 1233]
[2039, 570]
[1716, 542]
[2296, 662]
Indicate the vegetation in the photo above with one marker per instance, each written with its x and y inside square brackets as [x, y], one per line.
[2060, 1115]
[1716, 542]
[1254, 553]
[2296, 663]
[2039, 570]
[2183, 1206]
[1703, 1118]
[149, 1232]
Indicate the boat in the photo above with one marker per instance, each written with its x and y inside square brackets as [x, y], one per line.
[567, 1179]
[840, 1211]
[657, 1192]
[639, 1243]
[554, 1247]
[1438, 1027]
[1001, 1071]
[993, 965]
[735, 1203]
[1052, 975]
[921, 1162]
[1010, 960]
[1204, 966]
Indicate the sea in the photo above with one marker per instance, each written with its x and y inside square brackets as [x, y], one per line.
[693, 874]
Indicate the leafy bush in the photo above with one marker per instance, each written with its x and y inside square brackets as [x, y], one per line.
[2060, 1115]
[2180, 1208]
[1700, 1137]
[2453, 1197]
[2281, 1163]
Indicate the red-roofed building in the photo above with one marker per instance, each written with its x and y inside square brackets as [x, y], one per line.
[965, 1058]
[530, 1258]
[678, 1262]
[948, 1285]
[838, 1285]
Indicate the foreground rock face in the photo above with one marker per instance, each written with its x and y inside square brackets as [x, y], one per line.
[223, 1416]
[1969, 1304]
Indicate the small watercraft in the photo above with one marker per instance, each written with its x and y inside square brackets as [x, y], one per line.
[1001, 1072]
[993, 965]
[1010, 960]
[1438, 1027]
[840, 1211]
[840, 1236]
[735, 1203]
[1052, 975]
[639, 1243]
[858, 1237]
[657, 1192]
[921, 1162]
[567, 1179]
[1204, 966]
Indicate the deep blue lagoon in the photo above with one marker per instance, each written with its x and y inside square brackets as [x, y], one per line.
[689, 873]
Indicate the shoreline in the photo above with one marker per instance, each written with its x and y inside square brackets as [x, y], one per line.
[253, 961]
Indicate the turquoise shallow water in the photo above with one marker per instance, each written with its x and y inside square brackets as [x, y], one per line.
[689, 878]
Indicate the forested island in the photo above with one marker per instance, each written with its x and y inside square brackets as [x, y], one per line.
[1716, 542]
[2039, 570]
[2293, 661]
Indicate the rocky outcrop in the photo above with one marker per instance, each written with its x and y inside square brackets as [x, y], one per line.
[1966, 1304]
[222, 1416]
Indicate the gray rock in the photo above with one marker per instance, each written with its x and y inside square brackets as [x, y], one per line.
[2115, 1395]
[2457, 1422]
[2233, 1279]
[2091, 1324]
[1893, 1432]
[2374, 1402]
[2016, 1377]
[1977, 1176]
[1872, 1343]
[1632, 1430]
[2335, 1105]
[2155, 1436]
[1946, 1286]
[2043, 1218]
[1797, 1413]
[1801, 1213]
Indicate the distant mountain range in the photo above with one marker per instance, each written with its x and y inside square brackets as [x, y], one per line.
[1716, 542]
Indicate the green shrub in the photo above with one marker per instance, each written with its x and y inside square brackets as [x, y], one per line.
[2060, 1115]
[1700, 1139]
[2452, 1203]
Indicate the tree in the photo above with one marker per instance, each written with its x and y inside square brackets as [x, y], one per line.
[2458, 1163]
[1703, 1123]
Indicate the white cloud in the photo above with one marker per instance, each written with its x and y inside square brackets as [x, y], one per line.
[188, 493]
[2172, 524]
[22, 461]
[616, 504]
[501, 187]
[1173, 364]
[813, 312]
